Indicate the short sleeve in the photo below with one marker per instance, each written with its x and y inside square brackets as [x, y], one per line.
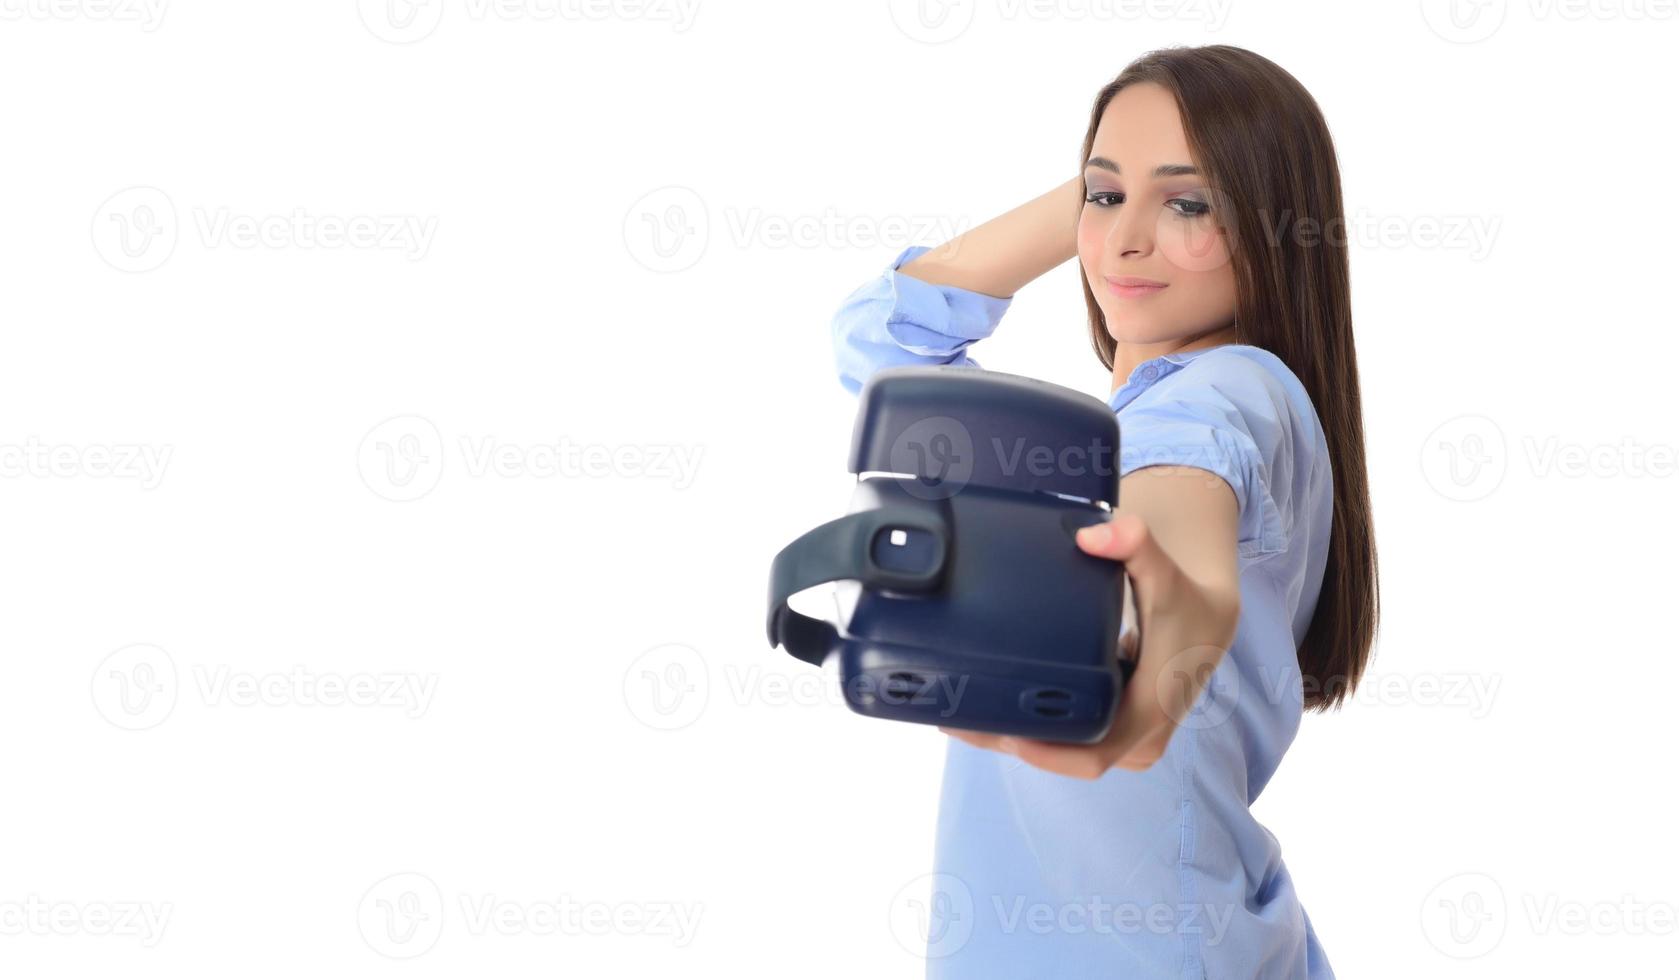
[895, 320]
[1225, 414]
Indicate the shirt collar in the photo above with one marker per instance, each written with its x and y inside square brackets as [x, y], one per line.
[1150, 371]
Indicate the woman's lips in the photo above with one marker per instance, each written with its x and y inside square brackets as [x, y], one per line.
[1129, 288]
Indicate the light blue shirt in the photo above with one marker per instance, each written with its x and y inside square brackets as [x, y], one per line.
[1163, 873]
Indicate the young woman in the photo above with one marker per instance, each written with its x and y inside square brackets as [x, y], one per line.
[1204, 220]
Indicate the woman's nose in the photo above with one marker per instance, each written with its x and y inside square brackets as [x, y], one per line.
[1132, 233]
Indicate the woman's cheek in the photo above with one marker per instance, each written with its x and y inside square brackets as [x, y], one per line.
[1204, 300]
[1193, 246]
[1090, 245]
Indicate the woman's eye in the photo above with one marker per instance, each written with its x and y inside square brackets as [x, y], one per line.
[1182, 206]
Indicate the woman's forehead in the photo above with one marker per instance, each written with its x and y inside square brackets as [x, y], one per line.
[1140, 127]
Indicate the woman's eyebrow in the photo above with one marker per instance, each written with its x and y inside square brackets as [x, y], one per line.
[1164, 170]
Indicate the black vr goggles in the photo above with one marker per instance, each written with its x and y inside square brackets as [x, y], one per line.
[964, 599]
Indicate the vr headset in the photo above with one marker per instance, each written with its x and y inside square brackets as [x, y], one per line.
[964, 600]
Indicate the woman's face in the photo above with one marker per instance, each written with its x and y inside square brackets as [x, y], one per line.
[1152, 225]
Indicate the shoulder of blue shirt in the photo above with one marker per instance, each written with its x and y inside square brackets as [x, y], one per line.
[1238, 411]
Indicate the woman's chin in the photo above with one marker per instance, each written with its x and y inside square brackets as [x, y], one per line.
[1141, 332]
[1136, 333]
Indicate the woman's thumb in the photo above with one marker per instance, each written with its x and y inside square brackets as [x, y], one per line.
[1126, 538]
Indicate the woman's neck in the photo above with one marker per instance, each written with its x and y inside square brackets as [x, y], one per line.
[1128, 356]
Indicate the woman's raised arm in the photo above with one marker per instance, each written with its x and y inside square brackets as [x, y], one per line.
[931, 305]
[1012, 249]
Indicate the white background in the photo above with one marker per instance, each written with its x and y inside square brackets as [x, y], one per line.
[574, 708]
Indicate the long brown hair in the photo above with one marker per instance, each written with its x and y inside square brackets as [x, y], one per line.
[1258, 136]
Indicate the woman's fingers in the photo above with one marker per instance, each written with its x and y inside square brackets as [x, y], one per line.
[979, 740]
[1081, 761]
[1125, 538]
[1140, 730]
[1171, 651]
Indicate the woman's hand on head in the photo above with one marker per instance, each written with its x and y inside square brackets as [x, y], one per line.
[1187, 624]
